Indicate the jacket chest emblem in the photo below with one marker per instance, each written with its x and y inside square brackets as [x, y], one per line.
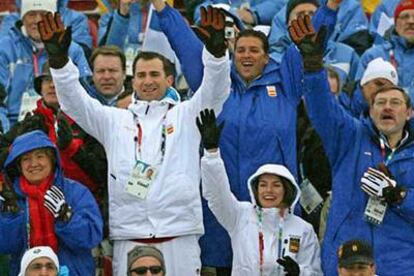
[170, 128]
[271, 91]
[294, 244]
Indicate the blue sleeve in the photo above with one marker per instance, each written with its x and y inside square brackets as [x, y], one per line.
[80, 27]
[185, 44]
[325, 16]
[8, 22]
[78, 56]
[279, 39]
[334, 125]
[113, 29]
[291, 69]
[86, 219]
[406, 208]
[5, 124]
[266, 10]
[11, 232]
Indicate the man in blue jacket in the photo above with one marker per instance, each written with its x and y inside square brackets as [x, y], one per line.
[21, 59]
[371, 160]
[259, 115]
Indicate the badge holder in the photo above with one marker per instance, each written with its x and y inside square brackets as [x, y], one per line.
[310, 199]
[375, 210]
[141, 179]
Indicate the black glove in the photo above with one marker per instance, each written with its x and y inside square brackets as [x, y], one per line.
[56, 38]
[3, 95]
[394, 195]
[64, 133]
[210, 132]
[290, 266]
[56, 204]
[310, 43]
[9, 198]
[211, 30]
[91, 158]
[34, 122]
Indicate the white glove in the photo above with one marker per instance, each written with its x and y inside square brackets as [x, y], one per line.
[374, 181]
[54, 201]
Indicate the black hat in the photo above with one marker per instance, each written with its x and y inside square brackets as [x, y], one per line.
[38, 79]
[355, 252]
[293, 3]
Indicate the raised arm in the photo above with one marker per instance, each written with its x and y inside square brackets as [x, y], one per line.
[215, 184]
[90, 115]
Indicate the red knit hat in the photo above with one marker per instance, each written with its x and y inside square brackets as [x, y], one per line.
[402, 6]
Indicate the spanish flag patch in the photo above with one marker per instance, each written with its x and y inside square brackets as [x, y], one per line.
[170, 129]
[271, 91]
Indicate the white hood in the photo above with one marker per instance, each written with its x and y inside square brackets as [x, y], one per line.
[278, 170]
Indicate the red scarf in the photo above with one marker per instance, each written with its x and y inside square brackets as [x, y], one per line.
[42, 222]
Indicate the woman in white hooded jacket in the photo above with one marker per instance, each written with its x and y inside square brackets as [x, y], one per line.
[267, 238]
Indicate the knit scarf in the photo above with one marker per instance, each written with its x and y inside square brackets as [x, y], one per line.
[42, 222]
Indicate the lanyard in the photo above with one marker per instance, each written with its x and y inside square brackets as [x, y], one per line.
[393, 60]
[280, 253]
[138, 138]
[387, 158]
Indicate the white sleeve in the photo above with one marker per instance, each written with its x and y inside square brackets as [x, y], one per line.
[216, 190]
[88, 113]
[308, 258]
[215, 86]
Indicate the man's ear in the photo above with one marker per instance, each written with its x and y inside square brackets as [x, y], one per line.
[170, 80]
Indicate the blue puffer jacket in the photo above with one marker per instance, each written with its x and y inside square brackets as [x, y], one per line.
[76, 237]
[403, 57]
[337, 54]
[259, 125]
[352, 146]
[18, 56]
[78, 21]
[112, 30]
[263, 10]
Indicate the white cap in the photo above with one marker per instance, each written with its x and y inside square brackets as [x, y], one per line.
[37, 5]
[379, 68]
[37, 252]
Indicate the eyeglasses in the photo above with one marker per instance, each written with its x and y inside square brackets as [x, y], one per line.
[141, 270]
[406, 17]
[394, 103]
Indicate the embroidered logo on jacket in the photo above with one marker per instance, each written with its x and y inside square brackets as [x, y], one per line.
[271, 91]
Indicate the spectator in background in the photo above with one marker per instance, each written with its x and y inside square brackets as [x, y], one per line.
[372, 186]
[382, 19]
[108, 78]
[77, 20]
[397, 48]
[142, 259]
[125, 28]
[39, 261]
[379, 73]
[355, 258]
[46, 209]
[22, 58]
[153, 133]
[266, 236]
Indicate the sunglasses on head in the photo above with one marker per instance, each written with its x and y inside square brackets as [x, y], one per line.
[141, 270]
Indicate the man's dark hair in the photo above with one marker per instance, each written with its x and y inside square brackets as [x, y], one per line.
[387, 88]
[108, 50]
[257, 34]
[168, 66]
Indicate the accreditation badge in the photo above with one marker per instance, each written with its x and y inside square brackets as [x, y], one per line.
[294, 244]
[375, 210]
[141, 179]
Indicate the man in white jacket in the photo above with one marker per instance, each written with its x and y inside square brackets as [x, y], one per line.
[152, 148]
[266, 237]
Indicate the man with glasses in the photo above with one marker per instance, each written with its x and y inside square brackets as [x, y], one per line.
[371, 161]
[145, 260]
[397, 46]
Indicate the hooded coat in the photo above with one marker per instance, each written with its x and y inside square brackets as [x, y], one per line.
[285, 234]
[76, 237]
